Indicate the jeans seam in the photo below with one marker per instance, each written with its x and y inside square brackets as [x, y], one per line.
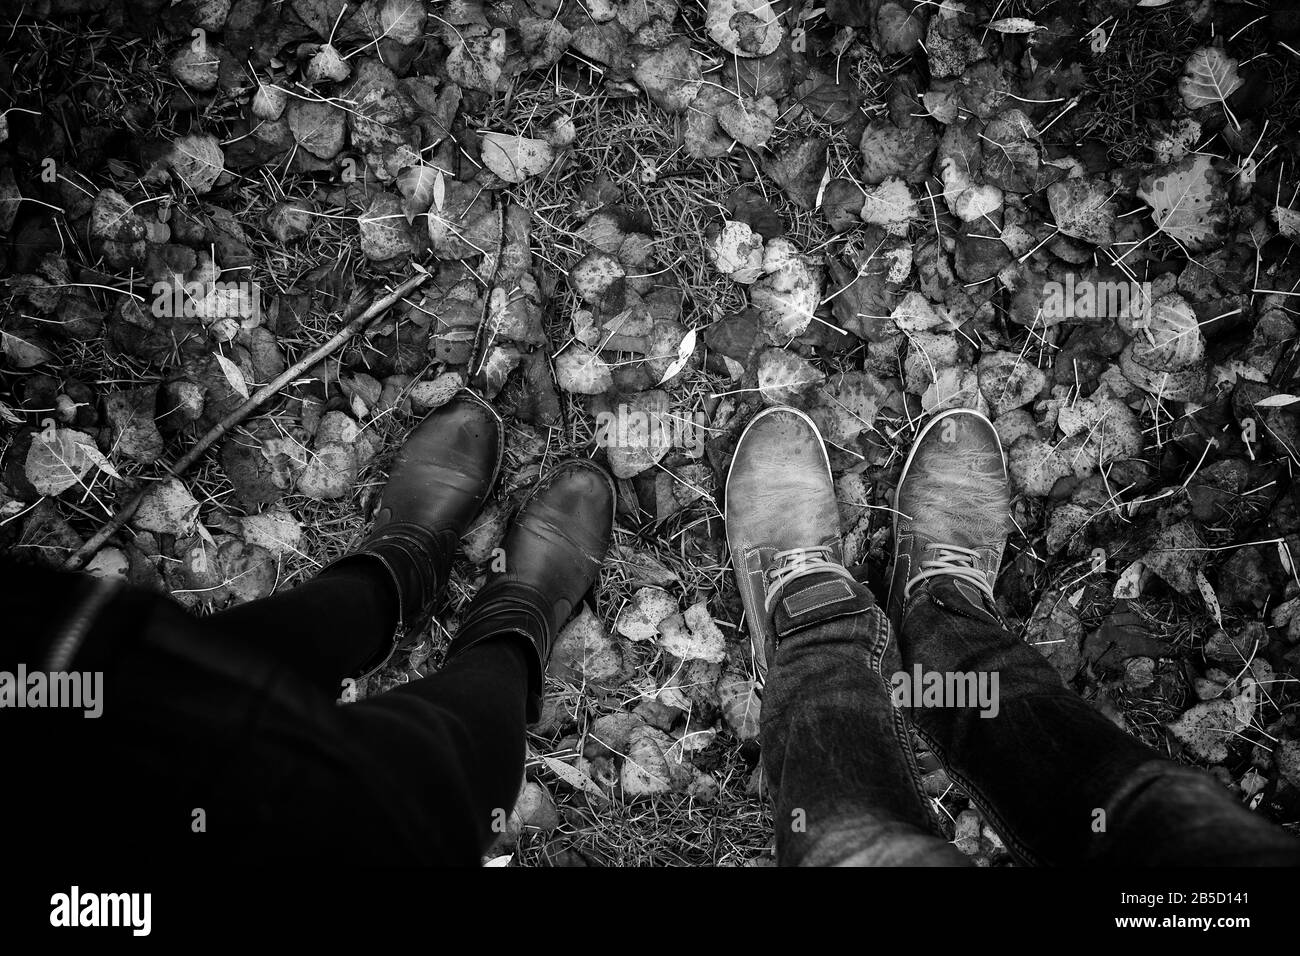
[902, 727]
[986, 807]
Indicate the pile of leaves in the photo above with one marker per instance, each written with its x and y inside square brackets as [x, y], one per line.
[642, 221]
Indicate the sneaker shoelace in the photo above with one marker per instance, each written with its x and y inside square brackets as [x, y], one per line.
[950, 560]
[789, 566]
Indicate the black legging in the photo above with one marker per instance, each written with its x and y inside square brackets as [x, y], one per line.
[325, 628]
[235, 714]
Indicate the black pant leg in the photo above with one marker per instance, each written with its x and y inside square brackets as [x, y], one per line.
[325, 628]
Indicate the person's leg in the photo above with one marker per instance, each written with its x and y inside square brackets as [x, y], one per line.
[341, 623]
[215, 715]
[1060, 782]
[553, 551]
[452, 743]
[327, 628]
[835, 752]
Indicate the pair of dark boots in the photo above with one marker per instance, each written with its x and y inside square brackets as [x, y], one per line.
[552, 550]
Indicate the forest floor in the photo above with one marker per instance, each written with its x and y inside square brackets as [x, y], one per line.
[1079, 218]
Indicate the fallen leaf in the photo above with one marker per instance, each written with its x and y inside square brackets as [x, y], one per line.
[749, 120]
[1083, 208]
[197, 67]
[640, 618]
[571, 775]
[22, 350]
[584, 653]
[684, 352]
[891, 204]
[1187, 202]
[1207, 728]
[593, 275]
[327, 64]
[1209, 77]
[798, 170]
[645, 771]
[167, 508]
[783, 375]
[581, 371]
[403, 20]
[671, 76]
[741, 705]
[385, 233]
[737, 252]
[477, 62]
[233, 374]
[789, 295]
[276, 531]
[198, 161]
[641, 435]
[59, 458]
[744, 27]
[331, 472]
[418, 186]
[1015, 25]
[515, 158]
[317, 127]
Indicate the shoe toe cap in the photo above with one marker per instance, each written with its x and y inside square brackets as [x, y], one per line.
[779, 488]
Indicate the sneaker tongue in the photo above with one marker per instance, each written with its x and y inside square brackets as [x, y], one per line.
[817, 597]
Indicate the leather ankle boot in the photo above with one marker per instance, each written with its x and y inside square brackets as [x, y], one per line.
[553, 550]
[438, 483]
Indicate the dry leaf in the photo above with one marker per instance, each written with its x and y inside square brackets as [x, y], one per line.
[198, 160]
[59, 458]
[477, 62]
[1187, 203]
[744, 27]
[1015, 25]
[571, 775]
[640, 619]
[582, 372]
[317, 127]
[737, 251]
[515, 158]
[276, 531]
[1209, 77]
[749, 120]
[327, 64]
[1083, 208]
[233, 374]
[684, 352]
[418, 186]
[783, 375]
[403, 20]
[167, 508]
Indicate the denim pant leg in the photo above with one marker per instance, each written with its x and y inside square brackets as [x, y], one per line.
[835, 750]
[1060, 782]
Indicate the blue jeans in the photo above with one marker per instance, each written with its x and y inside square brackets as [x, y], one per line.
[1059, 782]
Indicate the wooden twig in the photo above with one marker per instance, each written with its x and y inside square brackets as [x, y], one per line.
[255, 401]
[490, 267]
